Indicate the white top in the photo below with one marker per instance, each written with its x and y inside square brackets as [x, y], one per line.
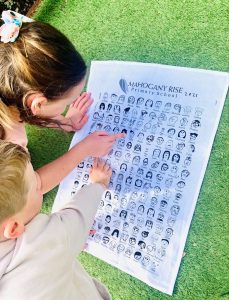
[41, 263]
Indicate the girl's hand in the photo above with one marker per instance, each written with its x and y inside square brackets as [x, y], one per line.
[100, 172]
[99, 143]
[77, 111]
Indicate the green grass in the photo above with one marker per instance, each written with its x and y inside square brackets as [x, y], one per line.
[183, 33]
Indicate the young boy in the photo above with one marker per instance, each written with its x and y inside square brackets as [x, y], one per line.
[37, 251]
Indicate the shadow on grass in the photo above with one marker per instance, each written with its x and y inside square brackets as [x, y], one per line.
[46, 8]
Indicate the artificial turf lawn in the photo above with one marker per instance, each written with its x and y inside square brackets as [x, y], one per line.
[182, 33]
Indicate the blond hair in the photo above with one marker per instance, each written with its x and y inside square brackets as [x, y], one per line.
[13, 187]
[41, 60]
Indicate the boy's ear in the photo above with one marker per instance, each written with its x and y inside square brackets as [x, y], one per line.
[13, 229]
[36, 102]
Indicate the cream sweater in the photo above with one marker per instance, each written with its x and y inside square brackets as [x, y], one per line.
[41, 264]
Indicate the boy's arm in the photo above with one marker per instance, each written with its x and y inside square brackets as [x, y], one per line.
[77, 215]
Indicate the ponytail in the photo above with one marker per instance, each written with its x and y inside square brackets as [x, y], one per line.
[40, 60]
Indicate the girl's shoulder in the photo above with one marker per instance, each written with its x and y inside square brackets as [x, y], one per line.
[17, 134]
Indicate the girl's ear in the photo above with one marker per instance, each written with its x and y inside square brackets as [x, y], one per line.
[13, 229]
[36, 102]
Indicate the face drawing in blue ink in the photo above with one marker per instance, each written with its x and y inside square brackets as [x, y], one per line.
[138, 183]
[184, 174]
[153, 201]
[137, 148]
[163, 204]
[166, 155]
[146, 261]
[195, 124]
[109, 118]
[150, 213]
[187, 161]
[121, 99]
[176, 158]
[108, 219]
[101, 106]
[175, 210]
[177, 108]
[183, 122]
[129, 145]
[164, 167]
[141, 209]
[150, 138]
[141, 245]
[131, 100]
[116, 119]
[182, 134]
[162, 118]
[160, 140]
[156, 153]
[168, 182]
[164, 243]
[105, 96]
[123, 214]
[152, 115]
[132, 241]
[109, 107]
[172, 120]
[145, 161]
[108, 195]
[167, 106]
[155, 165]
[181, 184]
[198, 112]
[105, 240]
[149, 224]
[120, 248]
[193, 136]
[171, 132]
[145, 234]
[140, 136]
[136, 160]
[140, 100]
[125, 226]
[149, 175]
[113, 97]
[158, 104]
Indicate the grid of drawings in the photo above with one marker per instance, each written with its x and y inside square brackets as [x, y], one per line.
[151, 166]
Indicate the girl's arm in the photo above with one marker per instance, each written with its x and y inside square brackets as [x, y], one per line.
[97, 144]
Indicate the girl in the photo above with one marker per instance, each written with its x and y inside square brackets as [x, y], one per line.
[42, 73]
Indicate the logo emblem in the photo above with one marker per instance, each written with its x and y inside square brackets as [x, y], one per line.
[123, 85]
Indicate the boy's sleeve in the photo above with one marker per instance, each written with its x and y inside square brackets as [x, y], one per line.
[78, 215]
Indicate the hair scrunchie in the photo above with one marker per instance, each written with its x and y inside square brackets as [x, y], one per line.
[9, 31]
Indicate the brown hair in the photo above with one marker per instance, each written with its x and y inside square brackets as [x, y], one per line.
[13, 188]
[41, 60]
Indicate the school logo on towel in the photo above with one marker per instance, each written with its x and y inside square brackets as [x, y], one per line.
[123, 85]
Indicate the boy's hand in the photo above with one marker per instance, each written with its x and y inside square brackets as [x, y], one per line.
[77, 111]
[99, 143]
[100, 172]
